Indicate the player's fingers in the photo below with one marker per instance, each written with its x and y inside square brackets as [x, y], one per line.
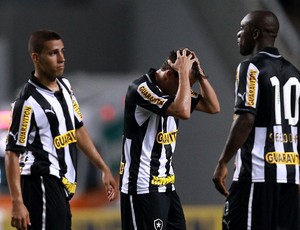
[220, 186]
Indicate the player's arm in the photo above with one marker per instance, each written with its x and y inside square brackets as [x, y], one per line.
[87, 146]
[240, 130]
[20, 215]
[181, 107]
[209, 102]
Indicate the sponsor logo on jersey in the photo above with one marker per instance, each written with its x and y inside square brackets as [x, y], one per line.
[122, 165]
[158, 224]
[166, 138]
[26, 116]
[146, 93]
[65, 139]
[194, 94]
[77, 108]
[288, 158]
[70, 187]
[163, 180]
[252, 87]
[283, 137]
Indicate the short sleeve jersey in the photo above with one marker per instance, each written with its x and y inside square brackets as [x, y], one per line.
[42, 130]
[268, 86]
[149, 138]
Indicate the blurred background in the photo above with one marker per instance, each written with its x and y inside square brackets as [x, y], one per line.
[110, 43]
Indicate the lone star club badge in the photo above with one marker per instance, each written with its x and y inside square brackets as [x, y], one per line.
[158, 224]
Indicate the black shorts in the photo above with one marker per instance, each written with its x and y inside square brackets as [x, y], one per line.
[46, 201]
[152, 211]
[261, 206]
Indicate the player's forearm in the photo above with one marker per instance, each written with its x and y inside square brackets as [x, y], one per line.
[210, 96]
[86, 145]
[239, 132]
[13, 176]
[182, 101]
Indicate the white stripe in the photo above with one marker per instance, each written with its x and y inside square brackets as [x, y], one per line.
[147, 146]
[258, 154]
[250, 207]
[281, 168]
[44, 204]
[295, 149]
[132, 213]
[125, 180]
[238, 165]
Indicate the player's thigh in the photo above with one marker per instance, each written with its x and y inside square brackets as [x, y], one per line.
[176, 219]
[288, 208]
[235, 214]
[46, 202]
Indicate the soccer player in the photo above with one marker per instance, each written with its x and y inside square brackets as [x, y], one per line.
[46, 128]
[264, 137]
[153, 106]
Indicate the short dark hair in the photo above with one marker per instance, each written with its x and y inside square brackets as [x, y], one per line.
[173, 56]
[37, 39]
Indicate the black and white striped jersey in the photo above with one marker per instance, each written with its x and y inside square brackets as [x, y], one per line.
[42, 130]
[268, 86]
[149, 138]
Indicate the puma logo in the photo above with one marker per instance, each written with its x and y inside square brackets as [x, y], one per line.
[13, 135]
[226, 223]
[50, 110]
[242, 96]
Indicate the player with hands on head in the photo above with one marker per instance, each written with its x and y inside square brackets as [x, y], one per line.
[264, 136]
[154, 104]
[41, 151]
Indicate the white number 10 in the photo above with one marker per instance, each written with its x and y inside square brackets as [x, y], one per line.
[287, 88]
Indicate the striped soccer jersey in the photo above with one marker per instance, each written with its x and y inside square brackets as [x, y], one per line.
[149, 138]
[43, 131]
[268, 86]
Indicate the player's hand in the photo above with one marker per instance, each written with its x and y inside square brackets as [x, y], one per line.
[219, 178]
[183, 63]
[20, 216]
[202, 74]
[110, 185]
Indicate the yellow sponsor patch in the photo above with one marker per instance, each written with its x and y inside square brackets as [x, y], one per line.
[166, 138]
[122, 165]
[146, 93]
[77, 108]
[288, 158]
[65, 139]
[163, 180]
[70, 187]
[252, 87]
[25, 122]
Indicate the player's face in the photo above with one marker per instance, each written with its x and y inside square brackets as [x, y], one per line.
[51, 61]
[173, 84]
[244, 37]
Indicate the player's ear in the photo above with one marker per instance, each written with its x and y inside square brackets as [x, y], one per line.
[256, 33]
[35, 57]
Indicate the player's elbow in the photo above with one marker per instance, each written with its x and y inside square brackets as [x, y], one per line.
[185, 115]
[215, 110]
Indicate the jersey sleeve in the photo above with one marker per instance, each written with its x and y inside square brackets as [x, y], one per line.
[246, 88]
[196, 97]
[77, 113]
[21, 122]
[150, 97]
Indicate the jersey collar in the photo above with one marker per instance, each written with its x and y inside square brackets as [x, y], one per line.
[271, 51]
